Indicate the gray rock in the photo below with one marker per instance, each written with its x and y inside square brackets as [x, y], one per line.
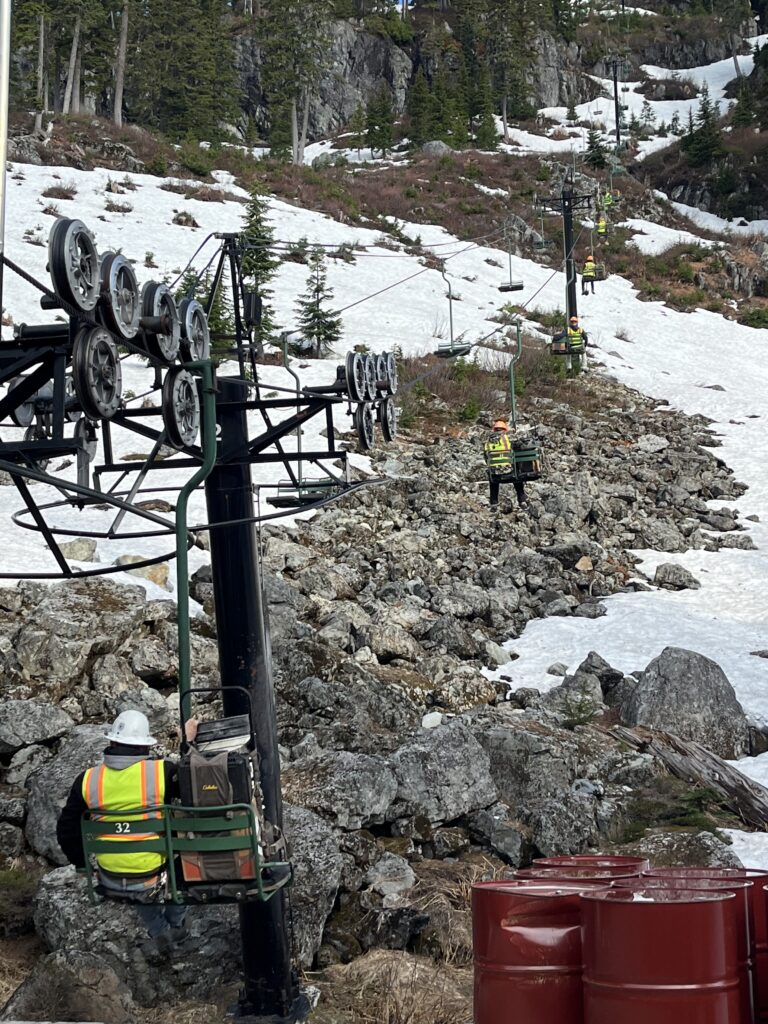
[435, 148]
[11, 841]
[685, 849]
[671, 576]
[317, 866]
[390, 876]
[25, 722]
[208, 959]
[351, 790]
[24, 762]
[651, 443]
[82, 549]
[686, 694]
[13, 804]
[442, 774]
[49, 787]
[388, 642]
[71, 985]
[557, 668]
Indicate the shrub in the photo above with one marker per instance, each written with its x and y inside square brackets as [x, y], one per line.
[67, 190]
[112, 207]
[185, 219]
[755, 318]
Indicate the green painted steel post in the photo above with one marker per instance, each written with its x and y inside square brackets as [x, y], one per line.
[208, 412]
[515, 358]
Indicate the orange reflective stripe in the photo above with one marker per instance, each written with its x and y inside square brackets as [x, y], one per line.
[100, 785]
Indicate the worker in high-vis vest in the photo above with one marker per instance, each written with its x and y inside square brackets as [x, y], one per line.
[127, 780]
[499, 461]
[608, 200]
[588, 274]
[577, 340]
[602, 226]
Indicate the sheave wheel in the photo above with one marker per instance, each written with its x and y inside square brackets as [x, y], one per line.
[381, 372]
[97, 373]
[392, 381]
[355, 376]
[158, 301]
[195, 333]
[37, 433]
[23, 414]
[369, 365]
[364, 425]
[85, 432]
[73, 263]
[181, 407]
[120, 294]
[72, 411]
[388, 419]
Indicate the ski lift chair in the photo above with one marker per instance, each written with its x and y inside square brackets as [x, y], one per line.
[306, 492]
[514, 285]
[527, 460]
[190, 838]
[448, 350]
[600, 272]
[542, 244]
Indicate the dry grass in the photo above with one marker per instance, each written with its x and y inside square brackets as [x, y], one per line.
[444, 892]
[185, 220]
[392, 987]
[186, 1013]
[17, 958]
[115, 207]
[67, 190]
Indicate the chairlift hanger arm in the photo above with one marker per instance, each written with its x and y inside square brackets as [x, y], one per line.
[280, 430]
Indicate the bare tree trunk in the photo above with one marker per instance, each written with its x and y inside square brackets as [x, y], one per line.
[304, 126]
[504, 116]
[122, 50]
[735, 47]
[40, 75]
[65, 106]
[294, 132]
[77, 89]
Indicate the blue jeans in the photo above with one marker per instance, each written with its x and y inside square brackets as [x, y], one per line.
[157, 917]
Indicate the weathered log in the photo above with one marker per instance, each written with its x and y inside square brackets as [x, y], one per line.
[693, 763]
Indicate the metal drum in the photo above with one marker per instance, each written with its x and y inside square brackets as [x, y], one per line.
[527, 950]
[666, 956]
[638, 865]
[759, 921]
[743, 890]
[605, 874]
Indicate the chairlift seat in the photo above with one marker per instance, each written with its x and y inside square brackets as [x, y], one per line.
[540, 245]
[559, 347]
[512, 286]
[600, 272]
[448, 351]
[232, 733]
[527, 460]
[179, 830]
[290, 495]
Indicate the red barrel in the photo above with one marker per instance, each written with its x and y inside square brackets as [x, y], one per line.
[660, 956]
[759, 921]
[564, 871]
[742, 889]
[636, 865]
[527, 951]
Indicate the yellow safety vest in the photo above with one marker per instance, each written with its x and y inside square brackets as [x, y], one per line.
[498, 454]
[608, 201]
[602, 227]
[575, 340]
[126, 789]
[590, 269]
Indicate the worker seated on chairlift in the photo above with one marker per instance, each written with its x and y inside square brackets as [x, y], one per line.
[602, 226]
[128, 778]
[588, 274]
[500, 463]
[574, 335]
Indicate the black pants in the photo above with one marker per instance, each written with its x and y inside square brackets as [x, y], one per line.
[584, 282]
[495, 483]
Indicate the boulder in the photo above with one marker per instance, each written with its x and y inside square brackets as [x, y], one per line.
[442, 774]
[25, 722]
[11, 841]
[671, 576]
[207, 960]
[351, 790]
[49, 787]
[70, 985]
[685, 693]
[436, 148]
[684, 849]
[82, 549]
[390, 876]
[317, 866]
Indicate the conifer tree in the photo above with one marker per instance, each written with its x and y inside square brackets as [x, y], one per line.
[259, 263]
[321, 327]
[485, 133]
[703, 142]
[675, 125]
[379, 120]
[418, 109]
[597, 152]
[357, 127]
[647, 116]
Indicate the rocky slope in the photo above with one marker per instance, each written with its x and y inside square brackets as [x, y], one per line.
[407, 772]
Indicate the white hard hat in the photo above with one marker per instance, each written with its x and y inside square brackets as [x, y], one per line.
[132, 729]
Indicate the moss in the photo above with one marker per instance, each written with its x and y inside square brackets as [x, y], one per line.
[17, 887]
[671, 804]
